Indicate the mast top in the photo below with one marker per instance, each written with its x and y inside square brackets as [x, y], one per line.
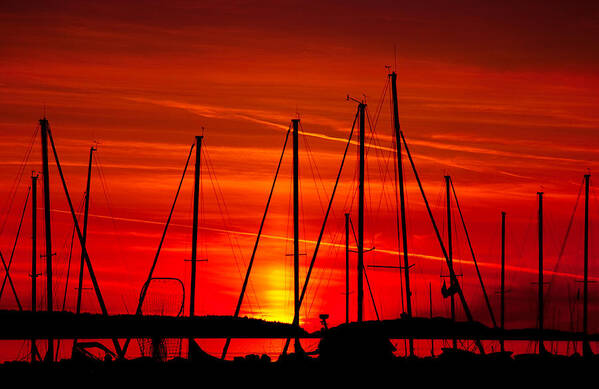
[360, 102]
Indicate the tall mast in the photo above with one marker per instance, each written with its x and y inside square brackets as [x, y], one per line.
[85, 217]
[540, 289]
[34, 274]
[48, 227]
[322, 229]
[404, 234]
[296, 291]
[194, 233]
[452, 275]
[81, 241]
[586, 349]
[502, 293]
[450, 249]
[347, 268]
[361, 110]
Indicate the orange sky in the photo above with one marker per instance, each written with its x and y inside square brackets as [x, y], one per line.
[501, 97]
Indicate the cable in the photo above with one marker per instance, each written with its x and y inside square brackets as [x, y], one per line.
[17, 180]
[7, 268]
[142, 294]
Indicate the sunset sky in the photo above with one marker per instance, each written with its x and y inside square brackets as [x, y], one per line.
[502, 97]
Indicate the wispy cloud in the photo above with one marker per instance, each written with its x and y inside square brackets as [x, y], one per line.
[394, 253]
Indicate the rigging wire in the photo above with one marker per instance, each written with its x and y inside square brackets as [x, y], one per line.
[400, 248]
[365, 275]
[18, 178]
[304, 288]
[303, 224]
[144, 288]
[567, 234]
[80, 236]
[109, 202]
[7, 268]
[286, 266]
[482, 285]
[64, 299]
[201, 242]
[251, 262]
[333, 236]
[314, 170]
[226, 218]
[385, 174]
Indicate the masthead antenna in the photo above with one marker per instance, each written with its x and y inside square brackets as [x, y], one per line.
[349, 98]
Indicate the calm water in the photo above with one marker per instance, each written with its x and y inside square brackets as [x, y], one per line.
[19, 350]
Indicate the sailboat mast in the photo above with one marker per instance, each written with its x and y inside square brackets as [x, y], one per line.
[48, 227]
[34, 274]
[194, 232]
[361, 110]
[540, 289]
[296, 305]
[450, 248]
[502, 292]
[404, 234]
[585, 311]
[347, 268]
[85, 217]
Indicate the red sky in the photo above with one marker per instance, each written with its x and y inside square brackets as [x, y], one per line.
[501, 97]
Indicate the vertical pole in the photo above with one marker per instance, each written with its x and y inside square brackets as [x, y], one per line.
[502, 293]
[251, 263]
[452, 274]
[347, 268]
[48, 226]
[81, 241]
[361, 109]
[404, 233]
[194, 233]
[34, 178]
[296, 306]
[586, 349]
[85, 217]
[540, 290]
[450, 248]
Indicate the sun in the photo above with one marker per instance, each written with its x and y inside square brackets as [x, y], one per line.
[277, 295]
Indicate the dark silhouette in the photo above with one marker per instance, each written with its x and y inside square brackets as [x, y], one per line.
[360, 346]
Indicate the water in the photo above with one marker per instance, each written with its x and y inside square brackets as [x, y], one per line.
[18, 350]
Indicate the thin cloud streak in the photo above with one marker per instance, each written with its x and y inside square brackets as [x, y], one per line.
[337, 245]
[258, 116]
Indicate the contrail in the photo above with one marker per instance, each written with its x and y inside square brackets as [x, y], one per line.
[337, 245]
[257, 116]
